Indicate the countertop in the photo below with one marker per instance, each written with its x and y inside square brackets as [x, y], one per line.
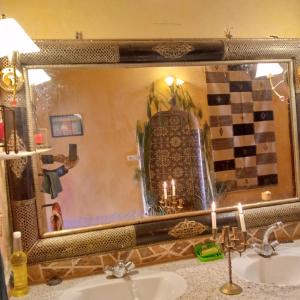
[203, 282]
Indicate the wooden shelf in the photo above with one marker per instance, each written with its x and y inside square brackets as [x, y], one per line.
[20, 154]
[42, 150]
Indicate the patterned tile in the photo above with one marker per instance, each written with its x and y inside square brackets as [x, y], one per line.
[88, 261]
[297, 232]
[35, 273]
[49, 273]
[157, 249]
[145, 252]
[143, 255]
[78, 272]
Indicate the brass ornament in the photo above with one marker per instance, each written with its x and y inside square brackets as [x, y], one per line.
[173, 50]
[17, 165]
[187, 229]
[10, 81]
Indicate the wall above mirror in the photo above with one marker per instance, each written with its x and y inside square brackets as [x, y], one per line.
[240, 135]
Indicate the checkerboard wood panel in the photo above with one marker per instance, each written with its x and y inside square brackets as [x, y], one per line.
[241, 120]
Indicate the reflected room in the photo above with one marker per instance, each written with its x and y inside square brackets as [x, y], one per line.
[125, 143]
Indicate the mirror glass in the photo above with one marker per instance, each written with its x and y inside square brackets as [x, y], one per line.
[119, 143]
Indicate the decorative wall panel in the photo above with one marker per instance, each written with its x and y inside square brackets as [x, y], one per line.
[242, 126]
[175, 153]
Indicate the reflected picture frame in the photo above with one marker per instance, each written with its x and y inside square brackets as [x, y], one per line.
[66, 125]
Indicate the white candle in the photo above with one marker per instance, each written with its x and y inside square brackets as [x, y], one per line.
[165, 190]
[213, 215]
[173, 187]
[242, 218]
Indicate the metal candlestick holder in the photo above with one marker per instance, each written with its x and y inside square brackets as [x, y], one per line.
[229, 243]
[171, 205]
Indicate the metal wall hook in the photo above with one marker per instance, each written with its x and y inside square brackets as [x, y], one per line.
[79, 35]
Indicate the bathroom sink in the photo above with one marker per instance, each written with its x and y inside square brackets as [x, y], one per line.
[280, 269]
[144, 285]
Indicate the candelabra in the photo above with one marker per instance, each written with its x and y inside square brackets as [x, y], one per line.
[171, 204]
[229, 243]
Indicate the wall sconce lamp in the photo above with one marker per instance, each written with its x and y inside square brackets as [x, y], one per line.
[173, 83]
[170, 81]
[270, 70]
[14, 41]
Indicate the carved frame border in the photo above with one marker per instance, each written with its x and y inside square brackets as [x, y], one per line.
[72, 243]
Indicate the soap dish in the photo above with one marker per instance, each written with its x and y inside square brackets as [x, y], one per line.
[208, 252]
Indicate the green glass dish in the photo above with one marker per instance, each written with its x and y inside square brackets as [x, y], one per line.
[201, 249]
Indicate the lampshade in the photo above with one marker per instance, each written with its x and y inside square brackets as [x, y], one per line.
[268, 69]
[37, 76]
[14, 38]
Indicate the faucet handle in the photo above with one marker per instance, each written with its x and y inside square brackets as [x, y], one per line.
[109, 270]
[279, 224]
[129, 265]
[274, 244]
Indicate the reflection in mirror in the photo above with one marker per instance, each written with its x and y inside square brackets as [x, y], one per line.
[121, 143]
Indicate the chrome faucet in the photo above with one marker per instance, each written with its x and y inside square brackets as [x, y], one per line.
[120, 269]
[267, 249]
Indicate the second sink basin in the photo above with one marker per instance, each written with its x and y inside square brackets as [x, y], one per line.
[280, 269]
[141, 286]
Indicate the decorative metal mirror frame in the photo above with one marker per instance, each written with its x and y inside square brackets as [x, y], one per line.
[103, 238]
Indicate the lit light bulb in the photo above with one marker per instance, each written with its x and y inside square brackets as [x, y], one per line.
[169, 80]
[179, 81]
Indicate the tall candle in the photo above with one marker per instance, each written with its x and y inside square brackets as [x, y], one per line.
[165, 190]
[242, 218]
[173, 187]
[213, 215]
[38, 138]
[1, 131]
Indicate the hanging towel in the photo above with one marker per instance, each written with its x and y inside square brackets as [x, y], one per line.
[51, 184]
[56, 218]
[61, 171]
[3, 291]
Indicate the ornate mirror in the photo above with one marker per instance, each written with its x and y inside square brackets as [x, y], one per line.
[132, 138]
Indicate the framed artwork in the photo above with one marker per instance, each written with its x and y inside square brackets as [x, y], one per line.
[66, 125]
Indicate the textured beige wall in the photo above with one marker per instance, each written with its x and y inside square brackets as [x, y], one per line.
[155, 18]
[110, 100]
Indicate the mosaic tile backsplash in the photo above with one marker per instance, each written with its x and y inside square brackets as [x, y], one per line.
[141, 256]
